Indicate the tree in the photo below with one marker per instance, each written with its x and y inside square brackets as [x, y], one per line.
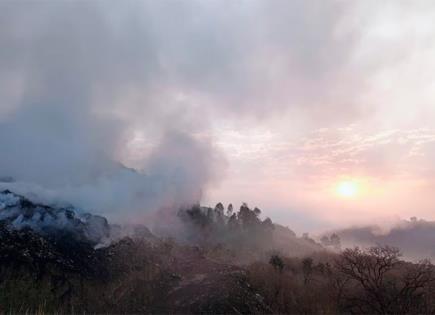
[219, 208]
[219, 214]
[307, 269]
[381, 283]
[268, 224]
[233, 223]
[248, 217]
[230, 210]
[367, 269]
[277, 263]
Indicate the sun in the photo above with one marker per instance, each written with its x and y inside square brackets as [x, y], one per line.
[347, 189]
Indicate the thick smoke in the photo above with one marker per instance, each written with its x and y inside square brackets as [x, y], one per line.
[66, 116]
[78, 80]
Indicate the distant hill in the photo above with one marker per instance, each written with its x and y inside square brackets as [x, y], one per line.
[414, 237]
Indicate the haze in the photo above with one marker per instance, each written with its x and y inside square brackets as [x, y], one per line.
[320, 112]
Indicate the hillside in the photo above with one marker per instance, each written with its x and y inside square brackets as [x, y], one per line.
[57, 259]
[63, 260]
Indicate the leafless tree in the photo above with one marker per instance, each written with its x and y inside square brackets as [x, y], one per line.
[378, 282]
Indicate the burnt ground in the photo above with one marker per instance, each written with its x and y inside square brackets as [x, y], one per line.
[52, 259]
[205, 286]
[131, 276]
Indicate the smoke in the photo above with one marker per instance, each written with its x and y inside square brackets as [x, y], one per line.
[80, 80]
[174, 175]
[413, 237]
[67, 113]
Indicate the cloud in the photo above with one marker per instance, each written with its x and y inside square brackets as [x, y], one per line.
[249, 57]
[298, 175]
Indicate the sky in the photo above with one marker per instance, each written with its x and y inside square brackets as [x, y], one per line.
[320, 113]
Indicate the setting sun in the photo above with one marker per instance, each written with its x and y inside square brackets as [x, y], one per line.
[347, 189]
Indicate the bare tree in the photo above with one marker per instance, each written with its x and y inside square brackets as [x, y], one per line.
[367, 269]
[412, 294]
[378, 282]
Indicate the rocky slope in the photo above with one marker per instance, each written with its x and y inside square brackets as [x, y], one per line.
[49, 262]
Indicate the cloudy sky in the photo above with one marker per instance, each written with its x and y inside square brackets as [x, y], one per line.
[318, 112]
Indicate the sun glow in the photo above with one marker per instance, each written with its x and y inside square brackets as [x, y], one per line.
[347, 189]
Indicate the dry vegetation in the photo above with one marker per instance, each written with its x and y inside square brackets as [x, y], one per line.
[227, 263]
[372, 281]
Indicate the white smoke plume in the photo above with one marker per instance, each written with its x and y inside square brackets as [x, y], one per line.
[79, 79]
[69, 71]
